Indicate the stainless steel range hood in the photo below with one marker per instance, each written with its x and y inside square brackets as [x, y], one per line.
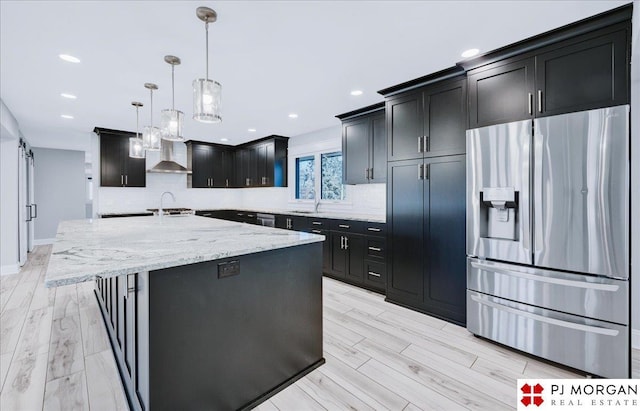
[167, 164]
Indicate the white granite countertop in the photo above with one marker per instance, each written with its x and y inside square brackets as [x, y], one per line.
[110, 247]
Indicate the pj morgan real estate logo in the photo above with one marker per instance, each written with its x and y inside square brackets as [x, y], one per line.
[578, 394]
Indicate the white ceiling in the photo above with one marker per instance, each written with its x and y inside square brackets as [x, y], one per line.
[272, 58]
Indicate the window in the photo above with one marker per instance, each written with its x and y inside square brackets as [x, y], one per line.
[305, 178]
[331, 177]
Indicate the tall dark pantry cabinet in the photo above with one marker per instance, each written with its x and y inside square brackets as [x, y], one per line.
[426, 182]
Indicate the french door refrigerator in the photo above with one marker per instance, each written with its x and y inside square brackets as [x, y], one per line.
[548, 238]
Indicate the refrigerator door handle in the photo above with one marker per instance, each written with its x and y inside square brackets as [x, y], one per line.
[34, 215]
[559, 281]
[538, 143]
[526, 205]
[548, 320]
[29, 215]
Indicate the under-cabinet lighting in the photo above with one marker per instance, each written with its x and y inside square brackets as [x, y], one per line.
[69, 58]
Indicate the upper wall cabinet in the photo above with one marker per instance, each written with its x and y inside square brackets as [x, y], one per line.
[212, 165]
[117, 169]
[364, 145]
[428, 121]
[584, 72]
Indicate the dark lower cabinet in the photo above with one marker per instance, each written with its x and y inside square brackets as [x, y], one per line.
[426, 240]
[217, 335]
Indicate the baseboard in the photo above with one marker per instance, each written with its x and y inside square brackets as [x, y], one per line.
[44, 241]
[635, 339]
[9, 269]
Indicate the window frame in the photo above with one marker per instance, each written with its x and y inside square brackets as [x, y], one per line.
[317, 156]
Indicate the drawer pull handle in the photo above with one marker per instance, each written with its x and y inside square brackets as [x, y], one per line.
[375, 248]
[344, 226]
[316, 223]
[316, 231]
[374, 274]
[377, 230]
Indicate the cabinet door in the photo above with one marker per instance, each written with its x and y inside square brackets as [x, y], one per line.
[338, 255]
[326, 248]
[242, 167]
[135, 171]
[354, 246]
[218, 168]
[404, 127]
[405, 200]
[378, 149]
[445, 118]
[253, 165]
[590, 74]
[501, 92]
[110, 162]
[269, 164]
[201, 160]
[229, 168]
[375, 274]
[444, 233]
[355, 151]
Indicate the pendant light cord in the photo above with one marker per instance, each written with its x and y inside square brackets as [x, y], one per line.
[137, 121]
[173, 89]
[206, 29]
[151, 93]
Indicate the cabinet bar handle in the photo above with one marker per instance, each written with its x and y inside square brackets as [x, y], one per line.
[121, 180]
[374, 274]
[420, 171]
[420, 144]
[426, 143]
[342, 242]
[530, 103]
[375, 249]
[377, 230]
[316, 231]
[126, 179]
[540, 101]
[227, 183]
[344, 226]
[346, 243]
[251, 215]
[316, 223]
[426, 172]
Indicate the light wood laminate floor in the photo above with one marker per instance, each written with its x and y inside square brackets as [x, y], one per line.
[55, 355]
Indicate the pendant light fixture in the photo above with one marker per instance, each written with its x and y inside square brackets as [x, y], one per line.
[150, 134]
[171, 120]
[136, 146]
[207, 93]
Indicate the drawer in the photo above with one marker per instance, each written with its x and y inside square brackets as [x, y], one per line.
[375, 274]
[348, 226]
[597, 347]
[318, 223]
[375, 229]
[376, 248]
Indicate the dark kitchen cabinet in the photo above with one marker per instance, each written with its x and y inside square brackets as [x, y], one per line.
[117, 169]
[212, 166]
[347, 256]
[242, 178]
[427, 122]
[426, 251]
[364, 145]
[584, 72]
[267, 163]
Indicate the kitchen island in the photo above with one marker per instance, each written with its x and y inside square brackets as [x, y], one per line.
[202, 313]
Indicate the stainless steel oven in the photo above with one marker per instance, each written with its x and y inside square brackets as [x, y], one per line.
[268, 220]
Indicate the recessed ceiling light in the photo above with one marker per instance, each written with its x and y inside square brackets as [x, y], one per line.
[356, 93]
[293, 115]
[66, 116]
[224, 139]
[67, 95]
[470, 53]
[251, 130]
[69, 58]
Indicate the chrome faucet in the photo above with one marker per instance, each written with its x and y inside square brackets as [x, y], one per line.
[316, 204]
[161, 210]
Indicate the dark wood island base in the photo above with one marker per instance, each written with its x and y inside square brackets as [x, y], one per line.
[218, 335]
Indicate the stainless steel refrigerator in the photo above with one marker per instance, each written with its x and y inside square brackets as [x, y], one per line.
[548, 238]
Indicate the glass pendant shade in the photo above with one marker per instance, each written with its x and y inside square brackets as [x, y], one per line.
[151, 138]
[171, 122]
[207, 101]
[136, 148]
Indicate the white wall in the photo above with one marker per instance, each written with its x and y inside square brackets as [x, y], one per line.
[9, 137]
[60, 190]
[635, 176]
